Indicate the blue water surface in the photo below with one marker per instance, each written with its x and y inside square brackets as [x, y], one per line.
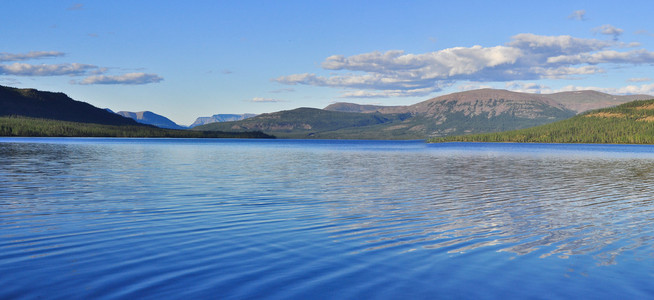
[105, 218]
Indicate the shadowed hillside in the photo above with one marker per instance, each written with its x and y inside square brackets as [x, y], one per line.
[150, 118]
[55, 106]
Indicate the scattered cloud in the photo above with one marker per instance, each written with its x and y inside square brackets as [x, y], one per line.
[264, 100]
[642, 79]
[527, 87]
[9, 81]
[644, 32]
[609, 30]
[526, 56]
[285, 90]
[95, 74]
[23, 69]
[556, 45]
[30, 55]
[129, 79]
[227, 72]
[646, 89]
[470, 87]
[640, 56]
[76, 6]
[579, 15]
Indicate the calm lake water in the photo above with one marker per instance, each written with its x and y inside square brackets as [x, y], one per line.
[311, 219]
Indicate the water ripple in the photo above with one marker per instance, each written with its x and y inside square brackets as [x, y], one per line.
[153, 219]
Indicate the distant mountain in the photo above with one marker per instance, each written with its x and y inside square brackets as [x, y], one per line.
[307, 123]
[360, 108]
[629, 123]
[150, 118]
[220, 118]
[28, 112]
[459, 113]
[54, 106]
[581, 101]
[489, 110]
[578, 101]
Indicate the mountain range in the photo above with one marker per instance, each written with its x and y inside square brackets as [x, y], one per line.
[477, 111]
[148, 117]
[470, 112]
[29, 112]
[220, 118]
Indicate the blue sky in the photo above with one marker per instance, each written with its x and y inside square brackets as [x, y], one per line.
[186, 59]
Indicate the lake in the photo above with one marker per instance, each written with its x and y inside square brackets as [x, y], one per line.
[93, 218]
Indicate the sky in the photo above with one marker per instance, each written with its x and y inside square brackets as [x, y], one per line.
[189, 59]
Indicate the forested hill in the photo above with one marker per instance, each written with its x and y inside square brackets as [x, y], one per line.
[54, 106]
[28, 112]
[629, 123]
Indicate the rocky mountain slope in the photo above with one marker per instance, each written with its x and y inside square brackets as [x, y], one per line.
[478, 111]
[628, 123]
[150, 118]
[220, 118]
[306, 123]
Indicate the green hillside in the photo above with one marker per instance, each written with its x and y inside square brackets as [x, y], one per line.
[55, 106]
[467, 112]
[309, 123]
[629, 123]
[29, 112]
[32, 127]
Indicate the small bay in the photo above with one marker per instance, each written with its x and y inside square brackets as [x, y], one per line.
[95, 218]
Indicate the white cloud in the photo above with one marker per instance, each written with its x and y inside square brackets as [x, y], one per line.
[642, 79]
[95, 74]
[608, 29]
[526, 56]
[578, 15]
[264, 100]
[129, 79]
[527, 87]
[30, 55]
[640, 56]
[556, 45]
[285, 90]
[22, 69]
[646, 89]
[644, 32]
[470, 87]
[389, 93]
[566, 72]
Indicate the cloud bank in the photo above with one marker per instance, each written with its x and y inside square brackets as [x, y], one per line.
[94, 74]
[525, 57]
[129, 78]
[30, 55]
[23, 69]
